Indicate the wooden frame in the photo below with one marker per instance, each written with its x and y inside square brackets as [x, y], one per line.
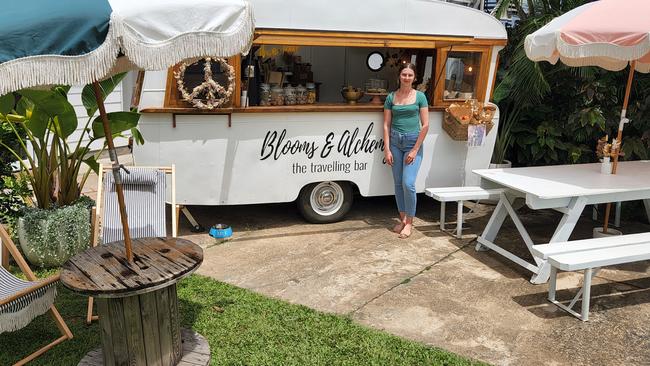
[172, 97]
[352, 39]
[173, 103]
[481, 81]
[175, 210]
[6, 242]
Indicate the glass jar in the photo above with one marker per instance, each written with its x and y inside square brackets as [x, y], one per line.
[290, 95]
[301, 95]
[311, 93]
[277, 96]
[265, 94]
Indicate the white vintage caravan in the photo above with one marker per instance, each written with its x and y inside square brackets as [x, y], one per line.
[318, 151]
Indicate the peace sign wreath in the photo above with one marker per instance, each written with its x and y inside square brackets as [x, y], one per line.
[214, 94]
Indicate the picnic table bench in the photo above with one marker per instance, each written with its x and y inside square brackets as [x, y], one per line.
[137, 301]
[589, 255]
[459, 194]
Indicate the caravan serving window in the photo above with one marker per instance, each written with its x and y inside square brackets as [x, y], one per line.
[462, 73]
[320, 67]
[329, 70]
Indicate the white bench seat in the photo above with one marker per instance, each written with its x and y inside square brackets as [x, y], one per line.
[587, 255]
[459, 194]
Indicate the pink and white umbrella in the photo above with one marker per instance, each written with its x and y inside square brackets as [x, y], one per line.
[608, 33]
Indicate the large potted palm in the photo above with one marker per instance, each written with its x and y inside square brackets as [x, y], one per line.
[58, 226]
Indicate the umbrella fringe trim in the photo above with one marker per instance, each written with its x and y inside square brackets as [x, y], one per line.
[609, 50]
[161, 55]
[43, 70]
[51, 69]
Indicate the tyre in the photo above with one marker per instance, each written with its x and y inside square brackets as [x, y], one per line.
[325, 202]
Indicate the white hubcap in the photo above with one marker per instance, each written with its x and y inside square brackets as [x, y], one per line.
[326, 198]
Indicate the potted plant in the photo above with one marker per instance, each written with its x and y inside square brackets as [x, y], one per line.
[504, 138]
[42, 122]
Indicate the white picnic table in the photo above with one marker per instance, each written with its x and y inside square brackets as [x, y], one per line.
[565, 188]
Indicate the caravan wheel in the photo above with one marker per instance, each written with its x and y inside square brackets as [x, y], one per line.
[325, 202]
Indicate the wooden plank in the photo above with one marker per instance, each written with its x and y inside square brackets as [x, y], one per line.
[105, 331]
[134, 335]
[81, 273]
[150, 330]
[358, 35]
[545, 250]
[118, 330]
[5, 256]
[320, 107]
[175, 322]
[163, 313]
[601, 257]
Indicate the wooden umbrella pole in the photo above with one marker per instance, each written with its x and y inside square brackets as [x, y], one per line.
[116, 170]
[619, 135]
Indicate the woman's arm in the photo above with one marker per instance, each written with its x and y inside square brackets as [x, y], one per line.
[388, 118]
[424, 120]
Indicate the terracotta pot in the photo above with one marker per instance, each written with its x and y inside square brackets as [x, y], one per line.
[505, 164]
[598, 232]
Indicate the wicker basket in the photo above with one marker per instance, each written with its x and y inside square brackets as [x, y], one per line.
[458, 116]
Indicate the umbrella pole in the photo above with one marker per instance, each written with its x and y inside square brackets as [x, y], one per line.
[619, 135]
[116, 170]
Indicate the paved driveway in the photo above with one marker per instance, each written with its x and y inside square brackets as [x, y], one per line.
[431, 287]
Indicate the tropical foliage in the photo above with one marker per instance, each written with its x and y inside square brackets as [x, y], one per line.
[562, 111]
[41, 122]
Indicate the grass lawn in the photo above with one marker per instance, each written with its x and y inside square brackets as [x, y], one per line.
[243, 328]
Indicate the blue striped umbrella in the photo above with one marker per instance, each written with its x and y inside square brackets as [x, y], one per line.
[46, 42]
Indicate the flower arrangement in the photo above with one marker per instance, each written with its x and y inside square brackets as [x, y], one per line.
[215, 94]
[606, 150]
[458, 116]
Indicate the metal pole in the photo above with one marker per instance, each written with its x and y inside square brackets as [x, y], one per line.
[619, 135]
[116, 170]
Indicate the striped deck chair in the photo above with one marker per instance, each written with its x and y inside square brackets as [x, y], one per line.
[22, 301]
[145, 196]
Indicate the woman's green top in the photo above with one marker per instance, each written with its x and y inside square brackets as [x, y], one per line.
[406, 118]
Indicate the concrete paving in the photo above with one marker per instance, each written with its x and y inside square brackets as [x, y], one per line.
[431, 287]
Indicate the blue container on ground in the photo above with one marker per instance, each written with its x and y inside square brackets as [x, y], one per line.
[220, 231]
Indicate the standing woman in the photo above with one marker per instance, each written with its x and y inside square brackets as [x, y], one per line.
[406, 122]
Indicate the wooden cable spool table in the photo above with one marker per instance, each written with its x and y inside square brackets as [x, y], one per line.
[137, 302]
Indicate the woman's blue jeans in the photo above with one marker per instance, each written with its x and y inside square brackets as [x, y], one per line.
[404, 175]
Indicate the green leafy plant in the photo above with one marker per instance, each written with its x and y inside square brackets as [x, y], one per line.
[504, 141]
[13, 191]
[55, 235]
[41, 122]
[563, 111]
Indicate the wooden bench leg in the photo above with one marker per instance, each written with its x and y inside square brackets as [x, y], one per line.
[552, 284]
[586, 294]
[459, 220]
[442, 216]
